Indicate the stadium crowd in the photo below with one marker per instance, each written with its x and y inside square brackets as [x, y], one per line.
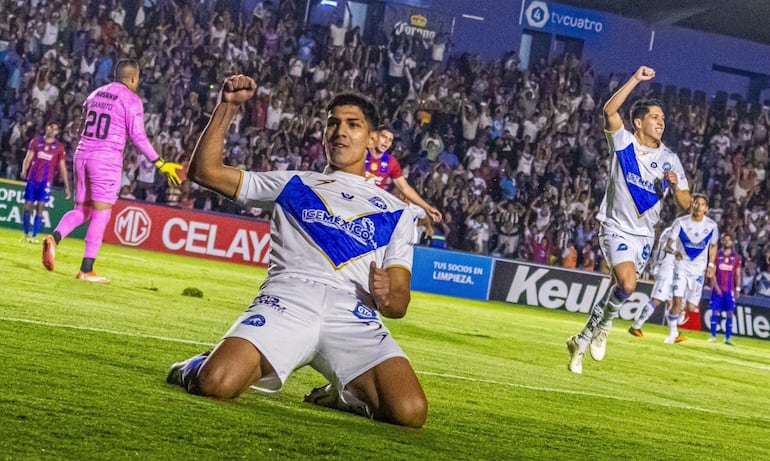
[515, 159]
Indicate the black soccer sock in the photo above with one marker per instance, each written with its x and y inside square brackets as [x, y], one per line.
[56, 237]
[87, 265]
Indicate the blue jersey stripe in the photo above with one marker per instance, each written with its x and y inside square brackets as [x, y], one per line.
[340, 239]
[642, 191]
[694, 249]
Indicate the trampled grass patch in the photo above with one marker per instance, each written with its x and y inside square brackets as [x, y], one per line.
[83, 369]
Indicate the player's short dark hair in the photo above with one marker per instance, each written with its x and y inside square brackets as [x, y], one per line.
[122, 67]
[386, 128]
[641, 107]
[371, 114]
[699, 195]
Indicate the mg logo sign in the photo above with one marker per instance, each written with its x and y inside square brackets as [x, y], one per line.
[537, 14]
[132, 226]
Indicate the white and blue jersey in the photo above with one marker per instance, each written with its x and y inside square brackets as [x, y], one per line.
[633, 199]
[346, 218]
[692, 239]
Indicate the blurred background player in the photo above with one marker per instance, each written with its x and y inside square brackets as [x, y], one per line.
[110, 112]
[693, 242]
[663, 271]
[44, 155]
[643, 170]
[387, 172]
[725, 288]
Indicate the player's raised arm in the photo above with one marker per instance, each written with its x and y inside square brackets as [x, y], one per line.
[206, 166]
[612, 119]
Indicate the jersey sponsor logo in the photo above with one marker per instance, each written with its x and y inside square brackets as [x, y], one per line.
[339, 239]
[272, 302]
[255, 321]
[361, 230]
[654, 165]
[132, 226]
[379, 203]
[106, 94]
[622, 247]
[363, 312]
[347, 196]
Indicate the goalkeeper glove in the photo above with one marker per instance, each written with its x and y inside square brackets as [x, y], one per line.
[169, 169]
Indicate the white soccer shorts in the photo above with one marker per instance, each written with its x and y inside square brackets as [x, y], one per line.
[688, 286]
[296, 322]
[621, 247]
[664, 279]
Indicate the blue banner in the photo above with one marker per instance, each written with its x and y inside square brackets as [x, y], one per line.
[452, 274]
[561, 19]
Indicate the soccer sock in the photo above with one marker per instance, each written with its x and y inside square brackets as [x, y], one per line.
[645, 315]
[715, 322]
[728, 328]
[95, 232]
[602, 314]
[612, 308]
[38, 224]
[71, 220]
[87, 265]
[673, 326]
[27, 222]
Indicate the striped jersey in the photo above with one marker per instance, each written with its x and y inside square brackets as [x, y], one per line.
[45, 159]
[727, 266]
[328, 228]
[636, 188]
[692, 239]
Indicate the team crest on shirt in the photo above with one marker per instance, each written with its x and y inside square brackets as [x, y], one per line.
[379, 203]
[666, 166]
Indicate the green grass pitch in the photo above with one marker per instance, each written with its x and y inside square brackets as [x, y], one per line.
[83, 367]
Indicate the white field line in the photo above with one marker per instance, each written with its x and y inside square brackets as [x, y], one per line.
[426, 373]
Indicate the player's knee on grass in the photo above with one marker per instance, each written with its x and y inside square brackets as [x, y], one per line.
[213, 381]
[410, 411]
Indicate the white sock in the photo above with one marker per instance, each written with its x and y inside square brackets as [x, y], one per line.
[673, 328]
[647, 311]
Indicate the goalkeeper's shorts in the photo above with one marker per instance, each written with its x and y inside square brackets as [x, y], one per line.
[96, 179]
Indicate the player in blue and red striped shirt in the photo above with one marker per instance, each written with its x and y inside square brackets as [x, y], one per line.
[44, 155]
[725, 287]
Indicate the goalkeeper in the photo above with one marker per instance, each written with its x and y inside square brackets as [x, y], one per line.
[110, 113]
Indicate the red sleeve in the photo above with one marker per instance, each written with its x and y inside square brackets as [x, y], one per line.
[394, 168]
[60, 154]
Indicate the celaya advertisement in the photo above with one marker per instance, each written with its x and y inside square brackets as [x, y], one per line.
[187, 232]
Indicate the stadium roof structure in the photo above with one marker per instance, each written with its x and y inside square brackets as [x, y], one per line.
[745, 19]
